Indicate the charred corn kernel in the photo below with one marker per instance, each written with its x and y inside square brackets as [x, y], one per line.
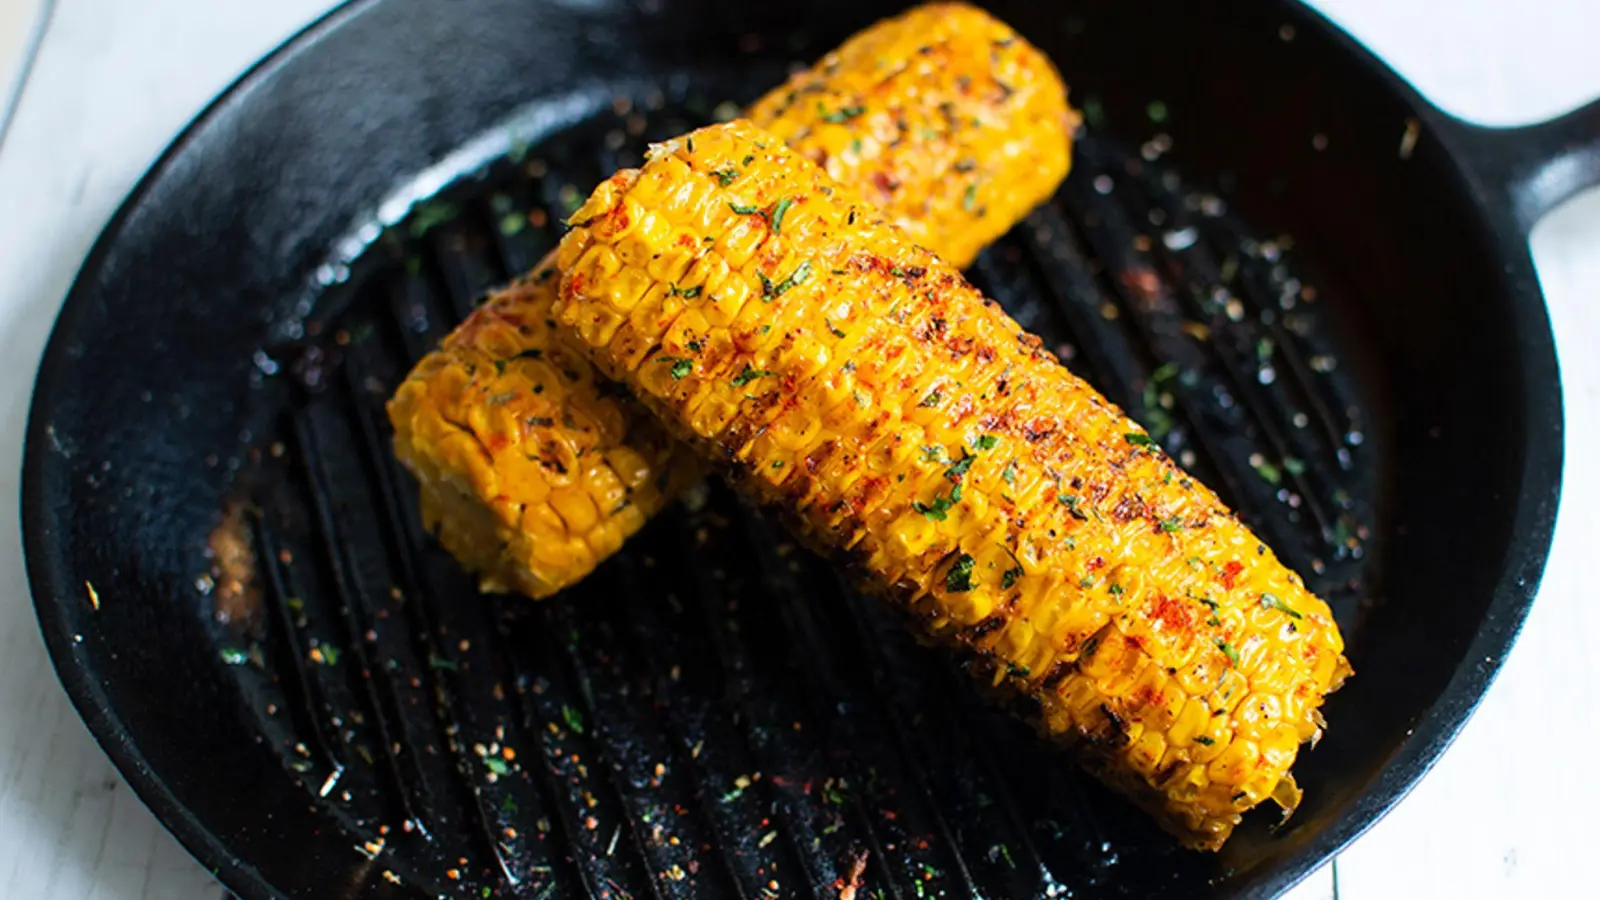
[1153, 630]
[957, 126]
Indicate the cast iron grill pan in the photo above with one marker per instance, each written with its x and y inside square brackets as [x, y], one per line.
[713, 714]
[1301, 302]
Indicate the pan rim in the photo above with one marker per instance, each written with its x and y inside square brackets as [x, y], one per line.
[1533, 514]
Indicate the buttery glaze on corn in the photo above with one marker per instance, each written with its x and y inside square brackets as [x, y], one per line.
[853, 380]
[532, 471]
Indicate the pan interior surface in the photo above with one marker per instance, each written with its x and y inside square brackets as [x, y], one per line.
[1295, 297]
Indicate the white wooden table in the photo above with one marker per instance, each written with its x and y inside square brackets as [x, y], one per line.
[113, 81]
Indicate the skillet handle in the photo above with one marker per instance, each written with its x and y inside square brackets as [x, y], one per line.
[1534, 168]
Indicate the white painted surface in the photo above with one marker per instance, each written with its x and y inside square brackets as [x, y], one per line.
[115, 80]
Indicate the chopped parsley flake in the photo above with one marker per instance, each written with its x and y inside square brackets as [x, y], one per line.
[969, 200]
[680, 367]
[1173, 524]
[496, 765]
[1228, 651]
[687, 293]
[725, 177]
[1009, 475]
[743, 210]
[573, 719]
[1010, 576]
[796, 278]
[1271, 601]
[959, 579]
[940, 508]
[1139, 440]
[747, 375]
[778, 212]
[933, 453]
[932, 399]
[986, 442]
[842, 115]
[1116, 590]
[1203, 740]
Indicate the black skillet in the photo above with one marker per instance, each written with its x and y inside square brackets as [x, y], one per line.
[1315, 286]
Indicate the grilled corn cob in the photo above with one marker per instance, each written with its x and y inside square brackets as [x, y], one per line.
[532, 471]
[854, 381]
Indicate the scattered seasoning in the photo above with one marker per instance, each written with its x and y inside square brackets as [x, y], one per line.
[959, 579]
[680, 367]
[1017, 671]
[1169, 525]
[743, 210]
[725, 177]
[1271, 601]
[749, 159]
[1228, 651]
[686, 293]
[1156, 111]
[1071, 503]
[1009, 475]
[1010, 576]
[932, 453]
[986, 442]
[932, 399]
[1116, 590]
[1408, 140]
[969, 200]
[748, 375]
[1087, 582]
[777, 464]
[832, 329]
[779, 210]
[573, 718]
[841, 116]
[1203, 740]
[1139, 440]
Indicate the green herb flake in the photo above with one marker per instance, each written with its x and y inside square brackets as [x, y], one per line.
[1228, 651]
[1009, 474]
[959, 468]
[931, 400]
[843, 115]
[330, 654]
[969, 200]
[1271, 601]
[959, 579]
[986, 442]
[747, 375]
[932, 453]
[573, 718]
[233, 656]
[1172, 524]
[779, 210]
[1116, 590]
[1269, 473]
[1010, 576]
[1017, 671]
[777, 464]
[686, 293]
[832, 329]
[1139, 440]
[496, 765]
[1087, 582]
[680, 367]
[725, 177]
[1203, 741]
[795, 279]
[743, 210]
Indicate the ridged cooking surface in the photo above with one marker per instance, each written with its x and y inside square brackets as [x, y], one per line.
[713, 714]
